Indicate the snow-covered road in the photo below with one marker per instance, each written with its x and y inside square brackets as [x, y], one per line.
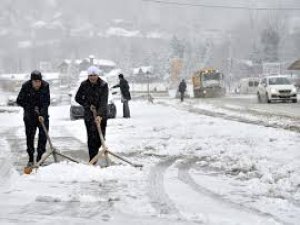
[197, 170]
[243, 109]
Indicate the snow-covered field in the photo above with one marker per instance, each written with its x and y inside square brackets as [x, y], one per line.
[197, 170]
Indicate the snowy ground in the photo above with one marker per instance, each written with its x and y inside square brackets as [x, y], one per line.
[244, 108]
[198, 169]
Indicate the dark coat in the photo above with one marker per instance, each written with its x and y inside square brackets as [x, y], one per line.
[182, 86]
[93, 94]
[29, 99]
[124, 87]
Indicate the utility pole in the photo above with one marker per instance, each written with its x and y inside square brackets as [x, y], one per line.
[148, 87]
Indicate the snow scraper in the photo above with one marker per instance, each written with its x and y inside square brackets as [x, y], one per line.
[104, 149]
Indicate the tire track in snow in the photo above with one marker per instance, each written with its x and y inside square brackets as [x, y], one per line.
[157, 195]
[185, 177]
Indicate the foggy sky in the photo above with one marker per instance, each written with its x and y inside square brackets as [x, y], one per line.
[192, 23]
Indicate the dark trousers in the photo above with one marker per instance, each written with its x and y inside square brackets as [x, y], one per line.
[181, 96]
[94, 142]
[126, 110]
[31, 124]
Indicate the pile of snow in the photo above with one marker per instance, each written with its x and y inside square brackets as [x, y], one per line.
[77, 173]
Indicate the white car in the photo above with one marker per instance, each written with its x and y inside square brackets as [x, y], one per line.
[274, 88]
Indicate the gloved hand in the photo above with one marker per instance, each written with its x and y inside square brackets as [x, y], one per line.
[98, 119]
[41, 119]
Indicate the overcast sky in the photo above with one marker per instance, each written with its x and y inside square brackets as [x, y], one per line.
[187, 19]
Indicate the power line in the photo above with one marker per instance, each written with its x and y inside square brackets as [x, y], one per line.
[224, 6]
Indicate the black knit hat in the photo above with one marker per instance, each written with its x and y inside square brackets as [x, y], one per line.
[121, 76]
[36, 75]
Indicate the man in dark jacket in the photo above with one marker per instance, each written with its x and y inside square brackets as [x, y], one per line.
[182, 89]
[125, 95]
[34, 97]
[93, 94]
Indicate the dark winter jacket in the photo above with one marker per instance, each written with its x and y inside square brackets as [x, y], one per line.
[29, 99]
[123, 85]
[182, 86]
[93, 94]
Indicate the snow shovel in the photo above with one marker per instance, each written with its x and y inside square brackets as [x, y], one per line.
[104, 151]
[125, 160]
[53, 151]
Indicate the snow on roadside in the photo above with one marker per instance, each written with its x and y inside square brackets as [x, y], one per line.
[73, 173]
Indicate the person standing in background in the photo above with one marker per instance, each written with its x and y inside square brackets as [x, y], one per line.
[182, 89]
[125, 95]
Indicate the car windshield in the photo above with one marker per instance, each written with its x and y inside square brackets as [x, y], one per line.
[213, 76]
[279, 81]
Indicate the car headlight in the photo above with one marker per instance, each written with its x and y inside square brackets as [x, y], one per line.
[294, 89]
[273, 91]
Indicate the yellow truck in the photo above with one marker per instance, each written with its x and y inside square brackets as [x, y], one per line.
[208, 83]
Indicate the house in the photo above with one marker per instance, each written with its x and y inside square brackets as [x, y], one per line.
[82, 64]
[143, 79]
[142, 74]
[70, 69]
